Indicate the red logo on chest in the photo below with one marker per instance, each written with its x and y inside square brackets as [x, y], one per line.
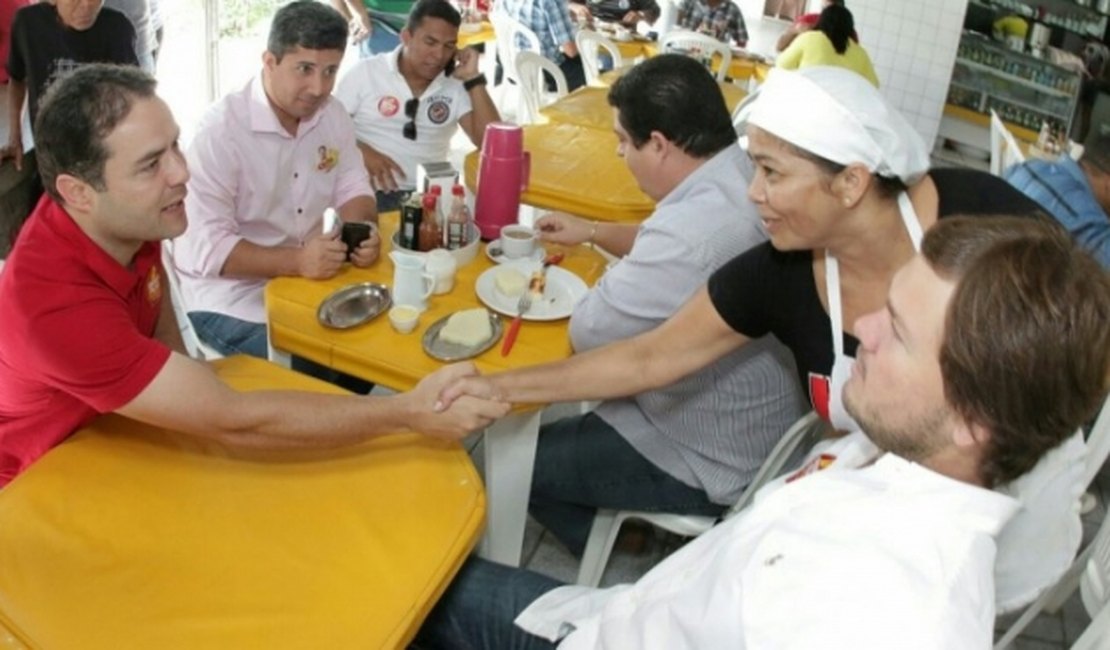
[388, 106]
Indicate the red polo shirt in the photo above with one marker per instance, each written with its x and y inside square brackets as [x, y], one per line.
[75, 334]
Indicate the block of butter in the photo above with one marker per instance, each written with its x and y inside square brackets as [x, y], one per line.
[469, 327]
[510, 282]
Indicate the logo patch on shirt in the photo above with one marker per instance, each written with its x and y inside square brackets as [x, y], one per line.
[328, 159]
[388, 106]
[815, 465]
[439, 111]
[153, 285]
[819, 394]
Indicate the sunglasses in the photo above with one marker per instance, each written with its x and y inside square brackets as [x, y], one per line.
[410, 112]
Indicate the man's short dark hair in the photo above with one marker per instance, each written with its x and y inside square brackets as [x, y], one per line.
[678, 97]
[308, 24]
[77, 114]
[1026, 349]
[432, 9]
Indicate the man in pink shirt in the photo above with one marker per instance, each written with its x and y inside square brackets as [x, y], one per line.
[266, 162]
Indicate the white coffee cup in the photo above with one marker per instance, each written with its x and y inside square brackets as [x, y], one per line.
[517, 241]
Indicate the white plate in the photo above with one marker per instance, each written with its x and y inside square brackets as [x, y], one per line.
[561, 292]
[536, 255]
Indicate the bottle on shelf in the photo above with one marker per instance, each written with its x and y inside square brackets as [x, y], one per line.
[458, 220]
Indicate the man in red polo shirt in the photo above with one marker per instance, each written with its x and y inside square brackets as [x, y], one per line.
[87, 327]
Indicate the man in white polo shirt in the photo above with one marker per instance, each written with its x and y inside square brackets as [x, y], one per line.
[406, 103]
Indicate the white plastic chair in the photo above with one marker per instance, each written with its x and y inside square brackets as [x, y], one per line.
[1097, 634]
[509, 33]
[533, 92]
[1098, 448]
[589, 43]
[803, 434]
[193, 345]
[699, 46]
[1005, 150]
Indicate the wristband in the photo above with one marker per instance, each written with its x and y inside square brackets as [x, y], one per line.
[470, 84]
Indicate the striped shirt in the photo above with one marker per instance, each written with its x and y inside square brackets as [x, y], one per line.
[724, 22]
[713, 429]
[549, 19]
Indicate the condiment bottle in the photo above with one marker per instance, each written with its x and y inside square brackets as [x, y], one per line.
[431, 235]
[458, 220]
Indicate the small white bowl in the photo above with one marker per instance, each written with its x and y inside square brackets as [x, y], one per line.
[404, 318]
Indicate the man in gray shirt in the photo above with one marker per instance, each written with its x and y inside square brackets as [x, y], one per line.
[693, 446]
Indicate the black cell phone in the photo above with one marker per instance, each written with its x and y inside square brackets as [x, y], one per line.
[353, 234]
[450, 69]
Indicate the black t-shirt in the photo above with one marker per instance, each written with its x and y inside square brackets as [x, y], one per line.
[765, 291]
[42, 49]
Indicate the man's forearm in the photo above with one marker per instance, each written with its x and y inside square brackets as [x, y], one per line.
[617, 238]
[17, 93]
[482, 112]
[249, 260]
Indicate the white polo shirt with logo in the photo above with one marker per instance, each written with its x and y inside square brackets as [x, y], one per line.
[374, 93]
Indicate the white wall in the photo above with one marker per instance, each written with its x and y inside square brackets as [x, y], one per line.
[913, 47]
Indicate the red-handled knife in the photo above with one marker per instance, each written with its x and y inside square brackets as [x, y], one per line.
[534, 292]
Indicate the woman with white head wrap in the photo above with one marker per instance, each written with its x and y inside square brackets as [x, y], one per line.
[843, 186]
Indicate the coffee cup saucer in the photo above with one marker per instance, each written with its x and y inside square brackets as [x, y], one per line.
[494, 253]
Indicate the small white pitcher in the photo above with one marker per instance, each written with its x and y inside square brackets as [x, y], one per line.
[411, 284]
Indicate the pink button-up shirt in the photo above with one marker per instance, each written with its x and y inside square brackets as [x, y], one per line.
[252, 180]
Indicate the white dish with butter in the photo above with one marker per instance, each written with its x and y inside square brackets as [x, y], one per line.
[561, 293]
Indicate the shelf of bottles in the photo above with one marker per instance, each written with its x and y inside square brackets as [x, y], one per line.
[1023, 90]
[1064, 15]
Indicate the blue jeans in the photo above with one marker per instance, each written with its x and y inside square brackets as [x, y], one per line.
[229, 335]
[583, 464]
[479, 607]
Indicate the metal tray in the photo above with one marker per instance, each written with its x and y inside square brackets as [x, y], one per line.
[354, 305]
[445, 351]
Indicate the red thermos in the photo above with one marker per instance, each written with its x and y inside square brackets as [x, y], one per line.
[502, 175]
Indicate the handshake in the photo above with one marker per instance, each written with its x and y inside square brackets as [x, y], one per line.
[453, 401]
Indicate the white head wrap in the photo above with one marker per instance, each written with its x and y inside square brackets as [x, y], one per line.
[838, 115]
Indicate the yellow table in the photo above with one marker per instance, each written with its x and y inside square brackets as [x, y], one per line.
[377, 353]
[484, 34]
[576, 169]
[128, 536]
[589, 106]
[741, 68]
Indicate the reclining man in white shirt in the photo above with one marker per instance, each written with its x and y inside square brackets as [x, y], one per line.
[991, 349]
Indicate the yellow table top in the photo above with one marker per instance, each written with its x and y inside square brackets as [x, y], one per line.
[741, 68]
[484, 34]
[576, 169]
[376, 352]
[127, 536]
[589, 106]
